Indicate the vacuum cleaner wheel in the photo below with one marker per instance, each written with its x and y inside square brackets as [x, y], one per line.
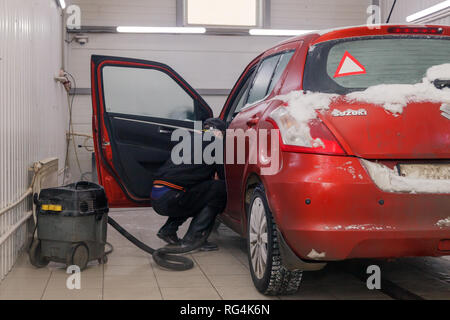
[79, 256]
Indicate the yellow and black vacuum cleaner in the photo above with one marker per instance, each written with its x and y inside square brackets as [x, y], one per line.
[72, 228]
[71, 225]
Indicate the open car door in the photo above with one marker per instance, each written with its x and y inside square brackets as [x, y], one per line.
[137, 105]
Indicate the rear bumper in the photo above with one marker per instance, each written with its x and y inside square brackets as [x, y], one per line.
[348, 216]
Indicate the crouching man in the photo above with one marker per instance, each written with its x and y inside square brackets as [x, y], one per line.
[191, 190]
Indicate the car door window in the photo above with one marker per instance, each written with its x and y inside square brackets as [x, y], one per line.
[243, 96]
[262, 79]
[145, 92]
[282, 64]
[240, 98]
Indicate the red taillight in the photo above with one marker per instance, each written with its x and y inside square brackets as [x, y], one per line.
[329, 144]
[416, 30]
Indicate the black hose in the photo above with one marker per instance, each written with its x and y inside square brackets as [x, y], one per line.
[164, 257]
[111, 248]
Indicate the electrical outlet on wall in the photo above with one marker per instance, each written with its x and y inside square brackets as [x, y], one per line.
[62, 78]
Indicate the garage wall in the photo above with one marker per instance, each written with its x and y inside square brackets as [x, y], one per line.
[404, 8]
[32, 107]
[131, 12]
[285, 14]
[444, 21]
[205, 61]
[318, 14]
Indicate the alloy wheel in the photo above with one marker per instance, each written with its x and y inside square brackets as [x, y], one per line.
[258, 238]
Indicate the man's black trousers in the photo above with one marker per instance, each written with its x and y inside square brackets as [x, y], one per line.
[181, 205]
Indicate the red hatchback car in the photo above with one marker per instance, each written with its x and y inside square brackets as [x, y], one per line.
[363, 116]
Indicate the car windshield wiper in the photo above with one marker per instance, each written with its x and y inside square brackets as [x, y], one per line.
[441, 84]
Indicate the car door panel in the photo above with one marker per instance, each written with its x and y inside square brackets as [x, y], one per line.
[234, 102]
[140, 149]
[132, 144]
[235, 172]
[246, 119]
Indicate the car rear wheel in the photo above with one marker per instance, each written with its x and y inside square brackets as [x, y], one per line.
[268, 273]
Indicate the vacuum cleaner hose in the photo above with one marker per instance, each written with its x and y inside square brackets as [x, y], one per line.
[164, 257]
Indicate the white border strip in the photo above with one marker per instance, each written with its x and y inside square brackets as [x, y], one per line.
[434, 10]
[175, 30]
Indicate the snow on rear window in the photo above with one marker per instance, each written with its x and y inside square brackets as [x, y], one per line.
[302, 106]
[386, 61]
[354, 64]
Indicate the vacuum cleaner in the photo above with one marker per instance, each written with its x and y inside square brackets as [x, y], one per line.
[72, 228]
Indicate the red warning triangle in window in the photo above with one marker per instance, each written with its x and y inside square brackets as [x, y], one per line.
[349, 66]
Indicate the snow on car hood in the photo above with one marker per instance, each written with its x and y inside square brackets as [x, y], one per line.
[303, 106]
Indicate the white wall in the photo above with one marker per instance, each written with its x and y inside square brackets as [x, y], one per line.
[131, 12]
[292, 14]
[444, 21]
[32, 106]
[318, 14]
[404, 8]
[205, 61]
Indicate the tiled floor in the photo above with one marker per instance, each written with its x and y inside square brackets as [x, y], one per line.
[132, 274]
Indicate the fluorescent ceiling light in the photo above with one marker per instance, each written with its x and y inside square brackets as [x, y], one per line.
[277, 32]
[439, 7]
[161, 29]
[62, 4]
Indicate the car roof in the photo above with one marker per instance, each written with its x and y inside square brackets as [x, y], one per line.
[359, 31]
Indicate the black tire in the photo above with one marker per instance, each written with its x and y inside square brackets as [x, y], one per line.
[79, 256]
[35, 255]
[276, 279]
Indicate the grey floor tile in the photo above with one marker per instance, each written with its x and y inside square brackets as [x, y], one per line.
[207, 293]
[131, 274]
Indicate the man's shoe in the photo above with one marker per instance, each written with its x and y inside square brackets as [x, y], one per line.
[170, 238]
[209, 246]
[185, 245]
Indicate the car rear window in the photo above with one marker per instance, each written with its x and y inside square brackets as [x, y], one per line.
[343, 66]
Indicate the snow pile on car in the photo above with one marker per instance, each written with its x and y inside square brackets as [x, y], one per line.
[389, 180]
[441, 72]
[395, 97]
[303, 106]
[444, 223]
